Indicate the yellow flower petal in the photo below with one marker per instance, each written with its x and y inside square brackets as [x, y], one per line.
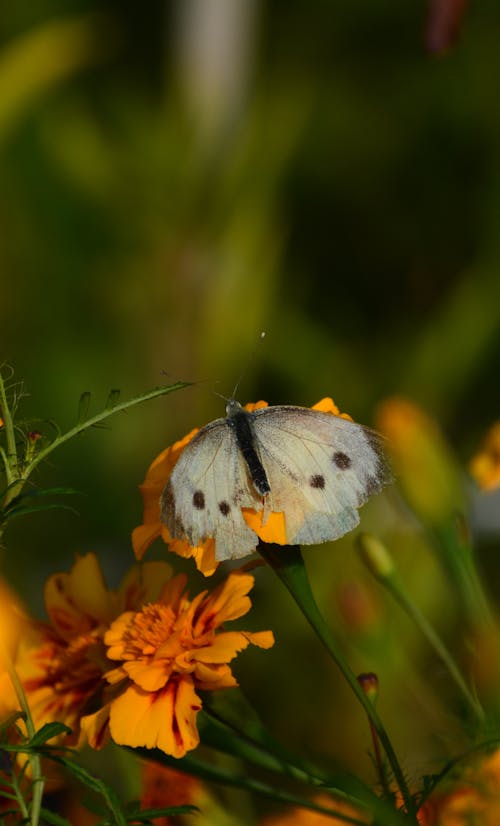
[273, 531]
[327, 405]
[77, 601]
[95, 727]
[485, 465]
[227, 602]
[164, 720]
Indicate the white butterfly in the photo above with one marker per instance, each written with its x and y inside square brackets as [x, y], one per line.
[314, 467]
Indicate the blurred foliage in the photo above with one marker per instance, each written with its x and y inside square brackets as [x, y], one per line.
[178, 177]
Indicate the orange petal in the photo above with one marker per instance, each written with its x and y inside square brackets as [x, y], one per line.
[95, 727]
[143, 583]
[223, 649]
[273, 531]
[150, 675]
[327, 405]
[165, 719]
[211, 678]
[228, 601]
[76, 601]
[251, 406]
[143, 536]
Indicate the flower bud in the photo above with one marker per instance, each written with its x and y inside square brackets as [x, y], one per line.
[369, 684]
[375, 556]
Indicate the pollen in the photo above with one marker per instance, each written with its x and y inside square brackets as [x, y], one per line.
[148, 630]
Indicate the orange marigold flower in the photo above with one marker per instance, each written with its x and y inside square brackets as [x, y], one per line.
[61, 664]
[485, 465]
[423, 462]
[164, 652]
[270, 529]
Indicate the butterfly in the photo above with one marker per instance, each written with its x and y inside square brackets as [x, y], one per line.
[315, 468]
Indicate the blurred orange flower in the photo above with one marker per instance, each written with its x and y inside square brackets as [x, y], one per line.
[423, 462]
[61, 662]
[273, 530]
[474, 800]
[306, 817]
[485, 465]
[165, 651]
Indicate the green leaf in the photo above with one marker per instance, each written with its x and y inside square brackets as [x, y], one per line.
[13, 513]
[47, 732]
[94, 783]
[147, 815]
[215, 774]
[55, 819]
[36, 492]
[113, 399]
[10, 721]
[83, 406]
[100, 417]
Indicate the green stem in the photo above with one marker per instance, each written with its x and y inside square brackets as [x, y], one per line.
[459, 559]
[16, 489]
[396, 589]
[288, 564]
[33, 757]
[215, 774]
[19, 797]
[11, 459]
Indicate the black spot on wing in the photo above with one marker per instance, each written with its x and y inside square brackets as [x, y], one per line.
[342, 460]
[199, 500]
[167, 502]
[224, 508]
[317, 481]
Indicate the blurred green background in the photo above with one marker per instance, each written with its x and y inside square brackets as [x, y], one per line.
[177, 177]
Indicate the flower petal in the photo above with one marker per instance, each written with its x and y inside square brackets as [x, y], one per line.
[272, 531]
[77, 601]
[95, 727]
[164, 720]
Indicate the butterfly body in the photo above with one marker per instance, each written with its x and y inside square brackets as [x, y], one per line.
[313, 467]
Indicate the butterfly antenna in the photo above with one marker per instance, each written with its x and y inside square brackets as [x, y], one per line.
[248, 362]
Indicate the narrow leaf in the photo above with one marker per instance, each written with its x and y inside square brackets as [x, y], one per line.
[47, 732]
[55, 819]
[15, 512]
[10, 721]
[215, 774]
[95, 784]
[113, 399]
[147, 815]
[100, 417]
[50, 492]
[83, 406]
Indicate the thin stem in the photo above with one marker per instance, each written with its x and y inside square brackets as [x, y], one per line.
[396, 589]
[33, 757]
[19, 797]
[28, 469]
[8, 424]
[287, 562]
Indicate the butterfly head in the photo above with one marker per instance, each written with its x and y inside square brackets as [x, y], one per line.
[232, 408]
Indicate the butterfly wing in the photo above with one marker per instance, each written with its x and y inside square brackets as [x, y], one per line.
[321, 469]
[206, 491]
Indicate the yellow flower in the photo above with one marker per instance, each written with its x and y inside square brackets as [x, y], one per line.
[61, 664]
[273, 530]
[485, 465]
[164, 652]
[423, 462]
